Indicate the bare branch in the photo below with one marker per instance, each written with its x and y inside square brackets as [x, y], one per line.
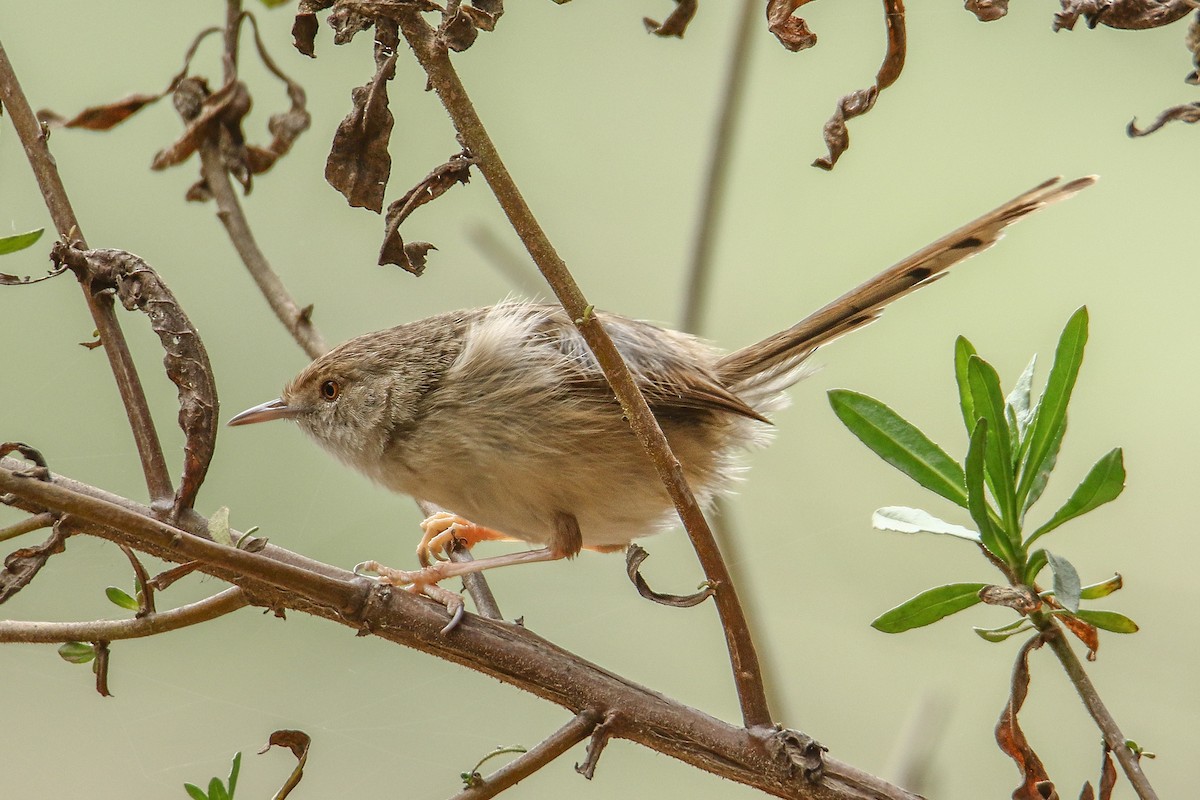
[204, 610]
[37, 150]
[445, 81]
[553, 746]
[27, 525]
[278, 579]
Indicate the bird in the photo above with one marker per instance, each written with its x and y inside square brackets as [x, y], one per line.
[501, 416]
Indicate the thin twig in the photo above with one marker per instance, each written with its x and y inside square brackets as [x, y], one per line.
[107, 630]
[708, 221]
[27, 525]
[445, 82]
[1113, 737]
[296, 320]
[129, 385]
[553, 746]
[280, 579]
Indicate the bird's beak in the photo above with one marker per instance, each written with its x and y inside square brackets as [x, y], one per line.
[272, 409]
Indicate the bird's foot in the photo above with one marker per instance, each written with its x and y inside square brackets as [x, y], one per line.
[439, 532]
[421, 581]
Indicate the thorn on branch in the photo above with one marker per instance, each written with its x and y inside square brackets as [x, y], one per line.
[599, 740]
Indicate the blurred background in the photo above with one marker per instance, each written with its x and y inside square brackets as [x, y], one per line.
[607, 130]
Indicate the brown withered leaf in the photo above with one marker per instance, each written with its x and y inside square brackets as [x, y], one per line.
[298, 742]
[284, 127]
[987, 10]
[347, 22]
[457, 30]
[109, 115]
[21, 566]
[411, 257]
[41, 469]
[1108, 775]
[101, 118]
[1189, 113]
[1084, 631]
[1019, 599]
[1121, 14]
[139, 287]
[791, 31]
[857, 103]
[304, 26]
[634, 556]
[200, 117]
[676, 24]
[1012, 739]
[359, 163]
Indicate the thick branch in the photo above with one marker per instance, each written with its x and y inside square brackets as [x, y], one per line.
[111, 630]
[445, 81]
[129, 385]
[278, 578]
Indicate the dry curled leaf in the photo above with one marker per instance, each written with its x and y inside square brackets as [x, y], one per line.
[411, 257]
[634, 556]
[22, 566]
[676, 24]
[359, 163]
[457, 29]
[987, 10]
[1084, 631]
[1018, 598]
[139, 287]
[1121, 14]
[791, 31]
[304, 26]
[857, 103]
[1189, 113]
[1012, 739]
[298, 742]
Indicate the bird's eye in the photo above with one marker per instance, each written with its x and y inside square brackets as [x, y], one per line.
[330, 390]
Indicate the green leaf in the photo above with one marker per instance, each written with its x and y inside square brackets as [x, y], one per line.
[218, 527]
[1019, 399]
[1004, 631]
[928, 607]
[77, 652]
[1102, 589]
[984, 385]
[19, 241]
[963, 350]
[234, 769]
[1038, 484]
[216, 790]
[1066, 582]
[1108, 620]
[1103, 484]
[900, 443]
[1036, 563]
[121, 598]
[977, 503]
[195, 792]
[902, 519]
[1051, 412]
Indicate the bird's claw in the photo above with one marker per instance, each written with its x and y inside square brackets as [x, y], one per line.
[437, 535]
[421, 581]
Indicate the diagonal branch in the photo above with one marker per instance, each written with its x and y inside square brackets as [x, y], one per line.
[129, 385]
[435, 60]
[553, 746]
[277, 578]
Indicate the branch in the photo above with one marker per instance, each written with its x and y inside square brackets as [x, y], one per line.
[27, 525]
[435, 60]
[129, 385]
[1113, 738]
[557, 743]
[111, 630]
[277, 578]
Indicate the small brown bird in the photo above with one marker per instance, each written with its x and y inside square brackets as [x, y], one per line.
[502, 416]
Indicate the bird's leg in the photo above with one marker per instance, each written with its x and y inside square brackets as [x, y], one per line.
[565, 542]
[441, 529]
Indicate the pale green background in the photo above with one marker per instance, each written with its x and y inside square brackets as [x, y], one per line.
[607, 129]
